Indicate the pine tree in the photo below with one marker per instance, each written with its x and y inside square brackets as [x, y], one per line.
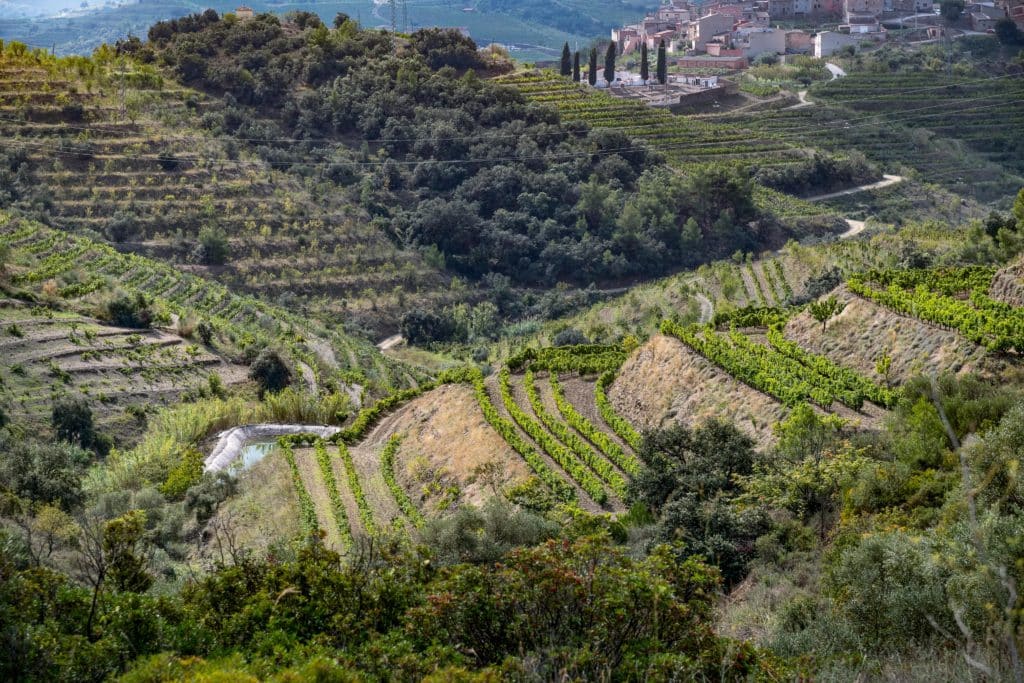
[645, 66]
[566, 60]
[592, 74]
[609, 62]
[576, 67]
[662, 64]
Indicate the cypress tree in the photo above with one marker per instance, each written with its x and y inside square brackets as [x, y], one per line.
[566, 60]
[592, 74]
[645, 66]
[576, 67]
[662, 64]
[609, 62]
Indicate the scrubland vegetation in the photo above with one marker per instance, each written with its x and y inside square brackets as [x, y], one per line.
[799, 460]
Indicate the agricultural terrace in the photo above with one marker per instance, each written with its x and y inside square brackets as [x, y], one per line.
[914, 124]
[111, 147]
[74, 272]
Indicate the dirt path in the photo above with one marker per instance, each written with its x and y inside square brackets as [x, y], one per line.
[856, 228]
[309, 470]
[803, 101]
[707, 309]
[757, 267]
[888, 180]
[391, 342]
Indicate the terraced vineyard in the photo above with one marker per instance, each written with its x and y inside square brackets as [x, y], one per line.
[117, 151]
[684, 140]
[936, 297]
[49, 355]
[569, 433]
[564, 442]
[77, 273]
[955, 132]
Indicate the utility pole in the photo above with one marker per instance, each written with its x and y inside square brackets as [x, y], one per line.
[394, 15]
[405, 16]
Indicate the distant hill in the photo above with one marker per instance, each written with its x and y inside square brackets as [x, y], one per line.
[535, 29]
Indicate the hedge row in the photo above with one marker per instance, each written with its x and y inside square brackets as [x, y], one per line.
[626, 462]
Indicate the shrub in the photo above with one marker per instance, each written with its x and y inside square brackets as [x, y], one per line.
[270, 372]
[213, 246]
[128, 311]
[570, 336]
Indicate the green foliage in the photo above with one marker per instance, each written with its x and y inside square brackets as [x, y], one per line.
[689, 481]
[565, 458]
[825, 309]
[125, 310]
[323, 461]
[72, 422]
[123, 549]
[270, 372]
[43, 472]
[213, 247]
[483, 535]
[387, 468]
[618, 424]
[184, 475]
[626, 462]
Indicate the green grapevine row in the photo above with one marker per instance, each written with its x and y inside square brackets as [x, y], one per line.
[337, 506]
[627, 463]
[387, 466]
[307, 510]
[508, 432]
[766, 369]
[617, 423]
[781, 274]
[598, 464]
[365, 512]
[583, 359]
[565, 458]
[853, 381]
[994, 327]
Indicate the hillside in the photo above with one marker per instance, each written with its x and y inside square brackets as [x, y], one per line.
[123, 155]
[535, 29]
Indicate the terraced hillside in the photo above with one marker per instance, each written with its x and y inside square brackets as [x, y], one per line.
[682, 139]
[57, 270]
[569, 417]
[954, 132]
[120, 371]
[112, 149]
[541, 432]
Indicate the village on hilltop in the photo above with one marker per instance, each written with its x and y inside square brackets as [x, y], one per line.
[699, 42]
